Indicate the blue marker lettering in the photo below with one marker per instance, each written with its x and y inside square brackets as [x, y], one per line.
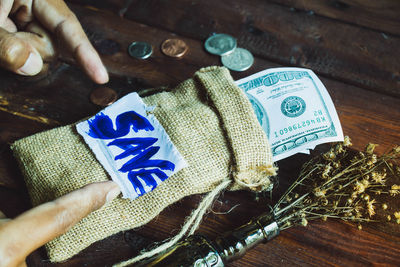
[143, 152]
[141, 165]
[102, 126]
[132, 146]
[147, 176]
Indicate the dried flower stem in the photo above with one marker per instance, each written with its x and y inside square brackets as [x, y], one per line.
[340, 185]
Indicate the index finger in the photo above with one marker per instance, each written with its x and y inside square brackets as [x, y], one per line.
[38, 226]
[59, 19]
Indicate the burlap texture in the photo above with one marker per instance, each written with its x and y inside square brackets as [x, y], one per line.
[210, 121]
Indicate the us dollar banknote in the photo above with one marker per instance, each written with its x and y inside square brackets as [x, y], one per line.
[294, 109]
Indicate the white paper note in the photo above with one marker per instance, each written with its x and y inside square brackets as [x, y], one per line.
[132, 146]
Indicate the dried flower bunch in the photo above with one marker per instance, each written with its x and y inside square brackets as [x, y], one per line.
[345, 185]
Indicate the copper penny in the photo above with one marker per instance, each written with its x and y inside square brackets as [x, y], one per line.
[174, 48]
[103, 96]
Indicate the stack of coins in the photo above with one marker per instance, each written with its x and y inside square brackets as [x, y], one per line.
[232, 57]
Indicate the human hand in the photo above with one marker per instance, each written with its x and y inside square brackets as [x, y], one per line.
[24, 52]
[30, 230]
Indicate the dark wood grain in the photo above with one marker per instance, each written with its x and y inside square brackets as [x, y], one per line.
[353, 67]
[382, 16]
[332, 48]
[117, 7]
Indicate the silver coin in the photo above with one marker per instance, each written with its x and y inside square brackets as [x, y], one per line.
[239, 60]
[141, 50]
[220, 44]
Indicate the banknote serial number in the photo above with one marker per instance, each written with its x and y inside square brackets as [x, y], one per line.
[318, 119]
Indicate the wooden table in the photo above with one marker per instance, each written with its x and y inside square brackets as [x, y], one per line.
[352, 45]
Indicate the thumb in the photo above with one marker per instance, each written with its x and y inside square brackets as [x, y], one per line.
[18, 55]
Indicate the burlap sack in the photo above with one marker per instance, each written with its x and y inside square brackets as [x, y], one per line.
[210, 121]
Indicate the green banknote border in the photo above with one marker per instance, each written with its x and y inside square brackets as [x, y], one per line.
[271, 79]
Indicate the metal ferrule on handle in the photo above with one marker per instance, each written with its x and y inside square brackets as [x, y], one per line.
[234, 244]
[198, 251]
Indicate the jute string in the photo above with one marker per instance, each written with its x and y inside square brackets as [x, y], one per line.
[191, 224]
